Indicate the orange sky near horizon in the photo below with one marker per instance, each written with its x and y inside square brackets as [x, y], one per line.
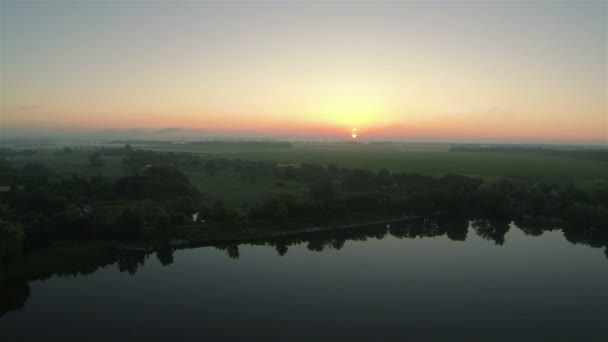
[467, 71]
[458, 128]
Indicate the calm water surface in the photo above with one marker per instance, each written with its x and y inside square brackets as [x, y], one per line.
[373, 286]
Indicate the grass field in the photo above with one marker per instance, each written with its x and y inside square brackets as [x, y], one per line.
[235, 191]
[429, 159]
[76, 162]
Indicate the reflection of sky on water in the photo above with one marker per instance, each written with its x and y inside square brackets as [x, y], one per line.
[530, 287]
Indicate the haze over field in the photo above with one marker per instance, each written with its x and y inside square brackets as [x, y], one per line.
[500, 71]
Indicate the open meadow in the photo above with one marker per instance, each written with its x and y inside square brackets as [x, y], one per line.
[427, 159]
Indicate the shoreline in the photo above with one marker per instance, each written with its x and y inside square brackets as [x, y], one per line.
[248, 235]
[244, 236]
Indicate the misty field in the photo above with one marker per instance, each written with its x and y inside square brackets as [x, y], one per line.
[427, 159]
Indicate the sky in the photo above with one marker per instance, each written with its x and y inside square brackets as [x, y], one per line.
[508, 71]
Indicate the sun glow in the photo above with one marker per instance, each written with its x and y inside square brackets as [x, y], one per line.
[351, 106]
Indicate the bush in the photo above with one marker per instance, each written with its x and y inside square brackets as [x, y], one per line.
[281, 214]
[178, 219]
[163, 224]
[128, 224]
[96, 160]
[11, 240]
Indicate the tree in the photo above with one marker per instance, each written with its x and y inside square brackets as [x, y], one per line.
[583, 215]
[11, 240]
[128, 149]
[15, 294]
[322, 191]
[203, 212]
[96, 160]
[178, 219]
[155, 183]
[537, 204]
[182, 205]
[280, 214]
[218, 212]
[163, 223]
[6, 172]
[32, 171]
[128, 223]
[167, 173]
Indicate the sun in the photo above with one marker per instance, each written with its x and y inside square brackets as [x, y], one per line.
[353, 133]
[347, 107]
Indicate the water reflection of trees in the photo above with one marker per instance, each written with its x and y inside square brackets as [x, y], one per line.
[165, 256]
[130, 261]
[454, 228]
[535, 227]
[14, 293]
[493, 230]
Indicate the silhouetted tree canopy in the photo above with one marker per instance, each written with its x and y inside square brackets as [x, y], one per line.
[128, 223]
[96, 160]
[159, 196]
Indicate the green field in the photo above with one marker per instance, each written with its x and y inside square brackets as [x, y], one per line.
[431, 159]
[428, 159]
[74, 163]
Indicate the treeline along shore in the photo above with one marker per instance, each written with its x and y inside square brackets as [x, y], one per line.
[154, 197]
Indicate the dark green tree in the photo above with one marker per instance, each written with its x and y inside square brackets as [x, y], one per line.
[11, 240]
[322, 191]
[128, 224]
[96, 160]
[281, 214]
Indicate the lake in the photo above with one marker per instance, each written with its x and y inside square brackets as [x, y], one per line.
[419, 281]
